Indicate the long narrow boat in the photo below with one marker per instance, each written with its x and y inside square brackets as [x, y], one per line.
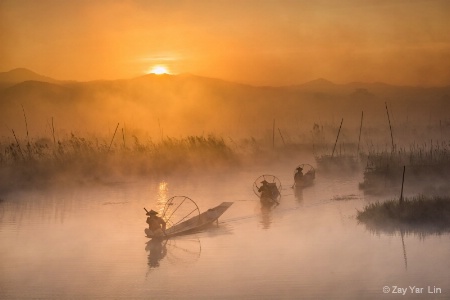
[196, 223]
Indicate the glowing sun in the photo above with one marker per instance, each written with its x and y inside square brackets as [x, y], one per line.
[159, 70]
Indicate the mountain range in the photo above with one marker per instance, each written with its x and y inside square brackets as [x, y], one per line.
[19, 75]
[203, 103]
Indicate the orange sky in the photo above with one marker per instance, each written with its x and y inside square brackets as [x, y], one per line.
[253, 41]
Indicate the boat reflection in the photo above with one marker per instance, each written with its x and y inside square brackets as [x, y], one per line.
[177, 251]
[298, 193]
[157, 250]
[266, 217]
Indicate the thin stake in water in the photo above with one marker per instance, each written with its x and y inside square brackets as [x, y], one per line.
[334, 148]
[123, 138]
[390, 127]
[113, 137]
[273, 135]
[403, 180]
[26, 123]
[360, 128]
[53, 133]
[18, 145]
[281, 137]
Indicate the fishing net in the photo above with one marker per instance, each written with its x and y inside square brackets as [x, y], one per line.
[179, 209]
[183, 251]
[271, 182]
[306, 169]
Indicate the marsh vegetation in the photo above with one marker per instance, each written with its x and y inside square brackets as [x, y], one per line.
[426, 165]
[85, 160]
[420, 214]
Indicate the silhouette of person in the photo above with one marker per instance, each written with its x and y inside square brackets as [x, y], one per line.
[269, 193]
[156, 225]
[298, 177]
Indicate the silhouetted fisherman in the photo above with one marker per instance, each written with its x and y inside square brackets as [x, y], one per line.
[269, 192]
[298, 177]
[156, 225]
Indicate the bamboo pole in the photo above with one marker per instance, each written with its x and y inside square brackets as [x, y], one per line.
[273, 135]
[281, 137]
[113, 137]
[53, 133]
[18, 145]
[403, 180]
[360, 129]
[28, 137]
[123, 138]
[334, 148]
[390, 127]
[26, 123]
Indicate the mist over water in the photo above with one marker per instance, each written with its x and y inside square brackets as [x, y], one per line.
[89, 242]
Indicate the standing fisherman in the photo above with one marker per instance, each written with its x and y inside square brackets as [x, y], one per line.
[156, 225]
[298, 177]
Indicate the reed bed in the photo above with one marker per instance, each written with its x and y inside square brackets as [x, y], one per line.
[424, 163]
[81, 159]
[89, 159]
[419, 214]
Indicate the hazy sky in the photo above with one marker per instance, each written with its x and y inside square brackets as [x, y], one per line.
[259, 42]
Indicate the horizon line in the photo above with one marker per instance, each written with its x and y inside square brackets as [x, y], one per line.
[319, 79]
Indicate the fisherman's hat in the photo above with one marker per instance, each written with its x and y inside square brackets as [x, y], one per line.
[151, 212]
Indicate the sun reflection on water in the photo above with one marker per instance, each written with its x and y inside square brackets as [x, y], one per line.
[163, 190]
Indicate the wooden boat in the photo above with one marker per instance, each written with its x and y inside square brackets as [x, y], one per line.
[268, 201]
[267, 188]
[304, 176]
[195, 223]
[270, 195]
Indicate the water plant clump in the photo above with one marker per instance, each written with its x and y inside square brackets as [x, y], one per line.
[420, 214]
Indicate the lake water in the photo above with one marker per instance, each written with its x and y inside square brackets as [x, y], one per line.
[88, 242]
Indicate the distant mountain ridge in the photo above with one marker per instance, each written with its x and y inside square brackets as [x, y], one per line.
[159, 86]
[21, 74]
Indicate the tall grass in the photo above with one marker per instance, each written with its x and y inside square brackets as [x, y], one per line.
[86, 159]
[424, 163]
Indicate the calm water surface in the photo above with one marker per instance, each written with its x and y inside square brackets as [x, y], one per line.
[89, 242]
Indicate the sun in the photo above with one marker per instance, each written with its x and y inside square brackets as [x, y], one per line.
[159, 70]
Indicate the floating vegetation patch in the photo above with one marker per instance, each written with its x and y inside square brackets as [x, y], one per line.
[345, 197]
[419, 215]
[115, 203]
